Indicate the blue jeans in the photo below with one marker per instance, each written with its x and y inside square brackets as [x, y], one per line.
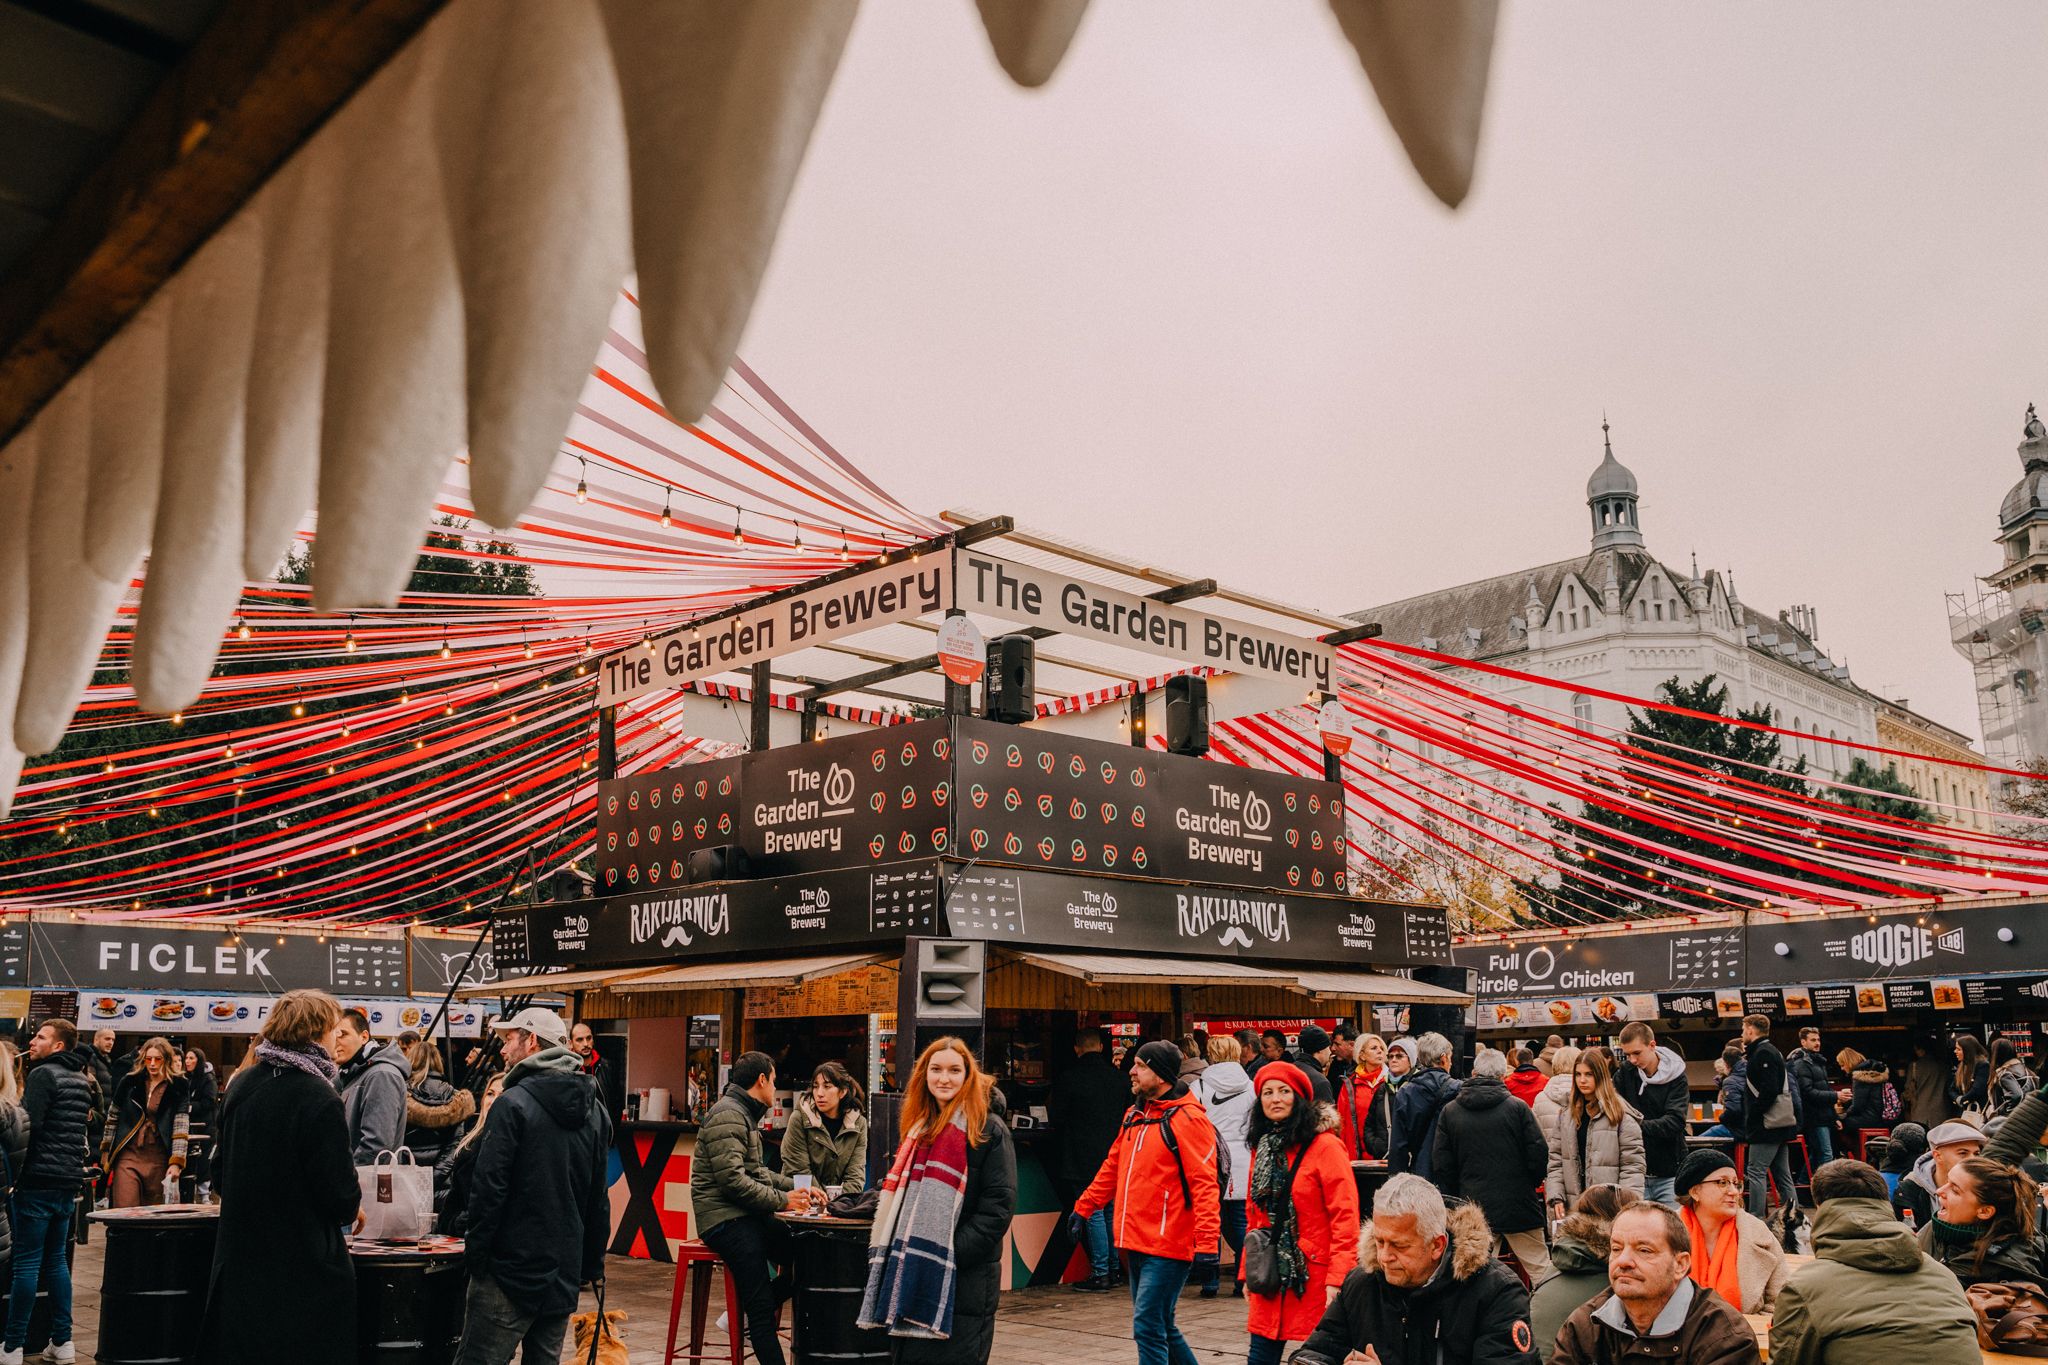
[1264, 1351]
[1720, 1130]
[1233, 1233]
[1155, 1293]
[1820, 1148]
[42, 1226]
[493, 1327]
[1661, 1189]
[1095, 1236]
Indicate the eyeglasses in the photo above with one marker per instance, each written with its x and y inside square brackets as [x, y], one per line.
[1721, 1182]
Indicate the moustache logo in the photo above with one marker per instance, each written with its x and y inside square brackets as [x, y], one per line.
[1235, 934]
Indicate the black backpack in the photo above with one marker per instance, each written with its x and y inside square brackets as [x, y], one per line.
[1135, 1118]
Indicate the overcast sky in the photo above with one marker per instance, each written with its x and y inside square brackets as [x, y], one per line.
[1190, 303]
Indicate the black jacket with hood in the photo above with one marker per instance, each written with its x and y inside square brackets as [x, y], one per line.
[1768, 1077]
[1490, 1150]
[1661, 1101]
[1473, 1311]
[1418, 1108]
[59, 1098]
[538, 1215]
[1809, 1077]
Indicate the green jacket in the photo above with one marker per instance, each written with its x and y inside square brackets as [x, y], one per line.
[810, 1148]
[1579, 1276]
[728, 1178]
[1870, 1294]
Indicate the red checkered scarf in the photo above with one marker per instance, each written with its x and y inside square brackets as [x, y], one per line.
[913, 1278]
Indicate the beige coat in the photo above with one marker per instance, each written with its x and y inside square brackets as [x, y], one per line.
[1760, 1262]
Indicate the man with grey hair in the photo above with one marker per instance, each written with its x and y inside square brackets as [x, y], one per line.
[1427, 1290]
[1418, 1104]
[1490, 1150]
[1653, 1310]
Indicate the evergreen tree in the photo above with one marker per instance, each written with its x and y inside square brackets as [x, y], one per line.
[1604, 846]
[1880, 791]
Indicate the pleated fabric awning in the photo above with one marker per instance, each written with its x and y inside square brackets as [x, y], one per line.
[719, 976]
[1103, 969]
[435, 268]
[1378, 987]
[552, 983]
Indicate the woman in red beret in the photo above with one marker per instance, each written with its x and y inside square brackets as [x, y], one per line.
[1303, 1202]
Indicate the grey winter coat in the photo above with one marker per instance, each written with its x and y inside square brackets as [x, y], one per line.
[1614, 1156]
[374, 1087]
[811, 1148]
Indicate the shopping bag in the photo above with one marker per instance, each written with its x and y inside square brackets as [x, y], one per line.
[398, 1197]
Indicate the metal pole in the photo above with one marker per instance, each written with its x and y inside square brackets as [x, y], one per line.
[607, 743]
[764, 697]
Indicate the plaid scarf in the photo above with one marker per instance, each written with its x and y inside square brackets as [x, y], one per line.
[912, 1277]
[1272, 1189]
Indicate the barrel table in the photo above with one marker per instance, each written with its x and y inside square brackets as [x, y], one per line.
[829, 1259]
[1370, 1175]
[153, 1288]
[409, 1300]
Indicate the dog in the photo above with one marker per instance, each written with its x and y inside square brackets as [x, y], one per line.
[610, 1345]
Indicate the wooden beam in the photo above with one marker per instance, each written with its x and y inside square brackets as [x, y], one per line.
[258, 82]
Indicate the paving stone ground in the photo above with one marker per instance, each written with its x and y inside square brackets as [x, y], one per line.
[1055, 1326]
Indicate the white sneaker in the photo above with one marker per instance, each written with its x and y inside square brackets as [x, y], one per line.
[61, 1353]
[12, 1357]
[721, 1328]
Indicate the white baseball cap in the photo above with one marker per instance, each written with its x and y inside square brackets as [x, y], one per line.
[545, 1025]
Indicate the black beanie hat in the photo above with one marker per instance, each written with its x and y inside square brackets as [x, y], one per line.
[1697, 1166]
[1313, 1040]
[1162, 1059]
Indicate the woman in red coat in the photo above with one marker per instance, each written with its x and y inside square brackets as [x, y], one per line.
[1303, 1192]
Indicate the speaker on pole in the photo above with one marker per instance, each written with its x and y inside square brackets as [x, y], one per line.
[1009, 691]
[1187, 715]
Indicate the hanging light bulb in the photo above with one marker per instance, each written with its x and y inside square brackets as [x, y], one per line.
[348, 641]
[177, 717]
[798, 543]
[445, 650]
[586, 642]
[525, 644]
[582, 480]
[666, 494]
[739, 537]
[298, 706]
[845, 547]
[242, 626]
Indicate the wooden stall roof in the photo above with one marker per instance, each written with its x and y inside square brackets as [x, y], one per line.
[781, 971]
[553, 983]
[1377, 986]
[1102, 969]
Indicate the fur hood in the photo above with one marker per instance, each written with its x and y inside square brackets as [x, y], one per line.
[457, 1108]
[1326, 1119]
[1471, 1243]
[1871, 1073]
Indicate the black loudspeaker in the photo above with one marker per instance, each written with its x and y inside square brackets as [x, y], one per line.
[719, 863]
[1187, 716]
[939, 993]
[1008, 691]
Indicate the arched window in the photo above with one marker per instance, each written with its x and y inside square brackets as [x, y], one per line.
[1582, 710]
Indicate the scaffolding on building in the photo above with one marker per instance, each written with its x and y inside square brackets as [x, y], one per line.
[2000, 640]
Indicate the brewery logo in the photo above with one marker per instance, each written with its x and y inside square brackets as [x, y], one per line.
[978, 794]
[1013, 756]
[1077, 809]
[1077, 766]
[1258, 816]
[1045, 762]
[909, 797]
[941, 747]
[1012, 799]
[907, 842]
[633, 801]
[1046, 848]
[1012, 845]
[879, 802]
[1045, 805]
[880, 758]
[1108, 813]
[877, 846]
[838, 788]
[1108, 774]
[1080, 851]
[909, 754]
[979, 749]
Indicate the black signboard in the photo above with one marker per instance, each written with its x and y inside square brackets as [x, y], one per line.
[648, 823]
[14, 953]
[1037, 798]
[44, 1005]
[1833, 999]
[839, 908]
[854, 801]
[1963, 942]
[1766, 1002]
[1908, 995]
[1686, 1005]
[1246, 827]
[436, 958]
[1677, 961]
[99, 956]
[1057, 910]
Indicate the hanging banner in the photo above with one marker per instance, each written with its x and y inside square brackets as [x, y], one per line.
[1981, 940]
[883, 595]
[114, 955]
[963, 653]
[1031, 596]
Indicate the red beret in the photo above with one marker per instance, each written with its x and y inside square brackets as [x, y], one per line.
[1290, 1073]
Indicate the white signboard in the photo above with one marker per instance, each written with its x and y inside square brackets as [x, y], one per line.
[880, 596]
[963, 654]
[181, 1014]
[1038, 597]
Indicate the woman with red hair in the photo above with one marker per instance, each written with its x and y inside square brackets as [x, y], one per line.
[935, 1257]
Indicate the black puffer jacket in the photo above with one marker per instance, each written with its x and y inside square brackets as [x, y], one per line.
[986, 1207]
[1490, 1151]
[59, 1101]
[1808, 1074]
[538, 1215]
[1473, 1311]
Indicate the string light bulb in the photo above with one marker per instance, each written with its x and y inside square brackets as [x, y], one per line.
[739, 537]
[348, 641]
[177, 717]
[446, 651]
[242, 627]
[845, 547]
[666, 494]
[526, 645]
[582, 480]
[798, 542]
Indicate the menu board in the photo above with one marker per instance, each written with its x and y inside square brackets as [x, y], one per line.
[1671, 960]
[1908, 995]
[1833, 999]
[153, 1011]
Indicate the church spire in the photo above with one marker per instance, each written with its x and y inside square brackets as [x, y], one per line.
[1611, 497]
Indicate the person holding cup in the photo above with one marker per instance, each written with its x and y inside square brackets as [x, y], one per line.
[827, 1138]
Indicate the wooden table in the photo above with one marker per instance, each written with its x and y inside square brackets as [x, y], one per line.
[1760, 1323]
[829, 1262]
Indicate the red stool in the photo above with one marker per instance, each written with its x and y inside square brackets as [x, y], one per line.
[696, 1263]
[1771, 1179]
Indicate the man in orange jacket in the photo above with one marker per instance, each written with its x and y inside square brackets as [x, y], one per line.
[1160, 1181]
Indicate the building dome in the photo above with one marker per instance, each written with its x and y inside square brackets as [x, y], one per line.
[2028, 498]
[1612, 477]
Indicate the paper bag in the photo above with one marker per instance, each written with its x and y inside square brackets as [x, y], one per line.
[398, 1197]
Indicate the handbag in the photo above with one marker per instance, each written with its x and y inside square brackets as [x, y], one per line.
[1259, 1253]
[398, 1197]
[2012, 1318]
[1779, 1113]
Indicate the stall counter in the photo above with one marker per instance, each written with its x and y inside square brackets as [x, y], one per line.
[650, 1188]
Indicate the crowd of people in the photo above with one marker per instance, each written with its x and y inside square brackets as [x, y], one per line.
[1544, 1207]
